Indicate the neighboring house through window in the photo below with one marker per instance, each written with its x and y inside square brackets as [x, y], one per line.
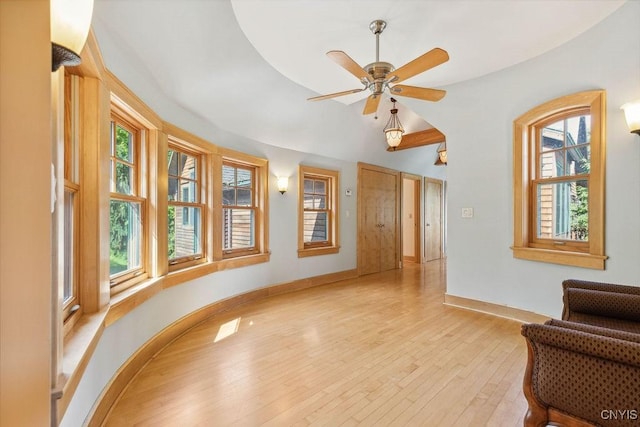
[186, 207]
[239, 206]
[318, 211]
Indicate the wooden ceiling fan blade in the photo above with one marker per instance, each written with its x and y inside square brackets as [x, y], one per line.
[334, 95]
[431, 59]
[423, 93]
[345, 61]
[372, 104]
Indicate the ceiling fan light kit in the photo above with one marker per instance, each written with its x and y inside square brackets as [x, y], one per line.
[377, 76]
[393, 131]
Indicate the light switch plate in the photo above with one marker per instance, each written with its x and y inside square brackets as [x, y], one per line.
[467, 212]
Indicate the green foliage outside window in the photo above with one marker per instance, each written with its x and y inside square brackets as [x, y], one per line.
[172, 232]
[122, 214]
[580, 208]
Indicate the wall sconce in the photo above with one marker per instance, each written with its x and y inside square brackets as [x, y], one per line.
[393, 130]
[70, 23]
[283, 184]
[632, 115]
[442, 155]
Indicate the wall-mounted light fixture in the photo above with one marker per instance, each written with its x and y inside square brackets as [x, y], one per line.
[70, 23]
[442, 155]
[393, 130]
[632, 114]
[283, 184]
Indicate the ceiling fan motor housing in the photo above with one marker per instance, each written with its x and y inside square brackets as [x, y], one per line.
[378, 71]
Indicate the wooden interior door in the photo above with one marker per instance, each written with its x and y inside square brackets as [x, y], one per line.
[369, 234]
[378, 226]
[411, 218]
[388, 206]
[433, 219]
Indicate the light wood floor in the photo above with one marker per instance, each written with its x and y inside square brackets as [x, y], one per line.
[378, 350]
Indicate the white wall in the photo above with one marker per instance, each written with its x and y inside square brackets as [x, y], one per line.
[477, 117]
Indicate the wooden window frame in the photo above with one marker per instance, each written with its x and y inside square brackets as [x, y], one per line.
[331, 246]
[71, 306]
[201, 190]
[122, 281]
[71, 160]
[232, 253]
[540, 242]
[526, 246]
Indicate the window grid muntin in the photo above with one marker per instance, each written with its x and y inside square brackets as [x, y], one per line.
[537, 155]
[193, 203]
[564, 148]
[71, 165]
[316, 195]
[132, 199]
[233, 185]
[71, 241]
[132, 164]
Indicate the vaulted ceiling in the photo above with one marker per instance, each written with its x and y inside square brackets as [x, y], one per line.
[248, 66]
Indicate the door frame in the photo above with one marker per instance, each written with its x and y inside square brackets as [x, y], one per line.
[375, 168]
[419, 216]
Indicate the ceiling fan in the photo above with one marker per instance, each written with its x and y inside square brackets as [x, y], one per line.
[378, 75]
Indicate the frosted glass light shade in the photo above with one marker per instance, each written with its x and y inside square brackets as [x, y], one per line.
[394, 137]
[632, 115]
[283, 184]
[443, 156]
[70, 23]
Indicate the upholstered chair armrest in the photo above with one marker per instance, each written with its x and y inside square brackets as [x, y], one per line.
[584, 343]
[601, 286]
[600, 299]
[580, 373]
[596, 330]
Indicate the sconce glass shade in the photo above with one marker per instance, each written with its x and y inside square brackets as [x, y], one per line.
[70, 23]
[632, 115]
[442, 155]
[283, 184]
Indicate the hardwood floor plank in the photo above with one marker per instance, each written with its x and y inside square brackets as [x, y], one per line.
[379, 350]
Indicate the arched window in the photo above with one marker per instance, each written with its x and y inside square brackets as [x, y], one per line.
[559, 165]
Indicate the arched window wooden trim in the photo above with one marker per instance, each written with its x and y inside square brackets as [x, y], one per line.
[524, 141]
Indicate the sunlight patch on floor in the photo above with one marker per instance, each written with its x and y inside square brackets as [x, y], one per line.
[227, 329]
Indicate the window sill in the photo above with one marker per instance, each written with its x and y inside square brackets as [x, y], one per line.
[128, 299]
[184, 275]
[575, 259]
[79, 345]
[325, 250]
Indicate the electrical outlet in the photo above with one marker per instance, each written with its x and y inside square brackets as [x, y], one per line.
[467, 212]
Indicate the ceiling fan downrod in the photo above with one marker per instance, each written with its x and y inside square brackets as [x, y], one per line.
[377, 27]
